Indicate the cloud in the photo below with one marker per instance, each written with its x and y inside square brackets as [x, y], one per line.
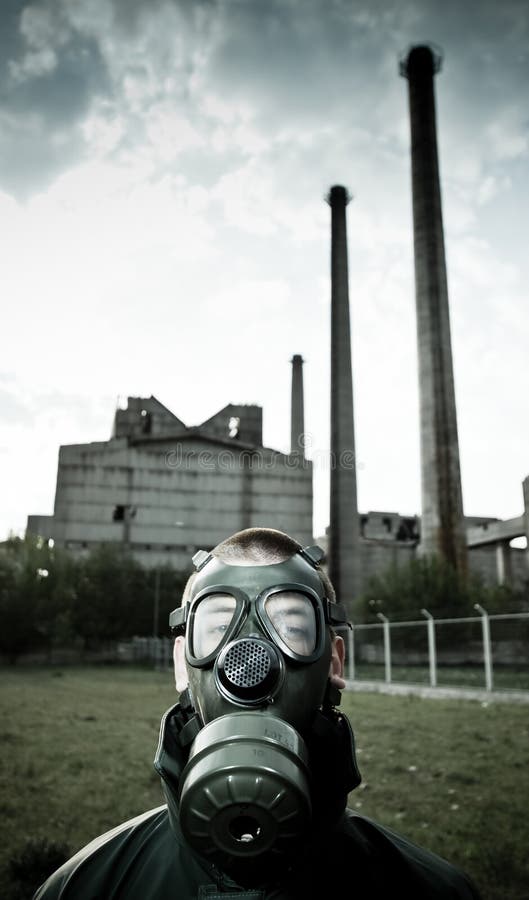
[13, 409]
[33, 422]
[212, 79]
[49, 77]
[42, 33]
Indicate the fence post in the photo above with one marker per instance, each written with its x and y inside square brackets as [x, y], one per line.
[351, 652]
[387, 646]
[432, 656]
[487, 655]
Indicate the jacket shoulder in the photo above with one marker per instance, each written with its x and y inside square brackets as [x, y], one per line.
[131, 857]
[413, 869]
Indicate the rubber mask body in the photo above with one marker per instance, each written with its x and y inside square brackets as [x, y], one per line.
[302, 688]
[247, 791]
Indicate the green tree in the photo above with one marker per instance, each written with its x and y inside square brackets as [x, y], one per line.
[18, 633]
[431, 583]
[50, 598]
[112, 596]
[29, 601]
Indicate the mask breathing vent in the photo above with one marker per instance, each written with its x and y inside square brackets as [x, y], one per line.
[247, 664]
[249, 671]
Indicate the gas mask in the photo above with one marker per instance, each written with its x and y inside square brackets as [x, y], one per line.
[261, 770]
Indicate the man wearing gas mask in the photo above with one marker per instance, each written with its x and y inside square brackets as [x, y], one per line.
[255, 759]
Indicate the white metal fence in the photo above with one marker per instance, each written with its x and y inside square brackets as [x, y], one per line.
[490, 651]
[157, 651]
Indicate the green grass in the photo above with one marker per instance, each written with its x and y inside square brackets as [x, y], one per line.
[505, 678]
[77, 746]
[452, 775]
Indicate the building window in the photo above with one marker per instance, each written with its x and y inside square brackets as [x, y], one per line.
[234, 426]
[407, 530]
[118, 514]
[146, 422]
[363, 523]
[386, 521]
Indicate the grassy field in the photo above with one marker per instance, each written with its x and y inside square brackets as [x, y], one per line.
[506, 678]
[78, 745]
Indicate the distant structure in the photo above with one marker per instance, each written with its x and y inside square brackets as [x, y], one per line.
[343, 551]
[297, 415]
[442, 519]
[390, 540]
[164, 489]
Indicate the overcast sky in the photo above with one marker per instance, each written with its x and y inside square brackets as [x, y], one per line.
[163, 228]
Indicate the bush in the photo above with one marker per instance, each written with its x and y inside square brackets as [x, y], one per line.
[49, 598]
[33, 863]
[431, 583]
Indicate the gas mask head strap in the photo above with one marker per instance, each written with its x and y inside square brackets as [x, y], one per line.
[215, 574]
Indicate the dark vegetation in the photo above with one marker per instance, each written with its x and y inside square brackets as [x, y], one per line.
[401, 592]
[50, 599]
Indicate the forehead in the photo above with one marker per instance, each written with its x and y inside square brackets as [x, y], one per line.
[253, 580]
[219, 602]
[289, 600]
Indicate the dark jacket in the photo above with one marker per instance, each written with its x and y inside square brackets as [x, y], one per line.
[144, 859]
[147, 858]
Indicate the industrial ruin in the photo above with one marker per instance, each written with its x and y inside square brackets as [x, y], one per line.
[166, 490]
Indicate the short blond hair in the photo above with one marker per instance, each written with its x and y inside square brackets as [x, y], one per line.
[261, 546]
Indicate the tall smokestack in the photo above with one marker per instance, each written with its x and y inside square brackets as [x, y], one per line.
[297, 421]
[442, 520]
[343, 552]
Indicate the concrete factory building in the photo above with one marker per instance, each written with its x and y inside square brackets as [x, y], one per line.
[165, 490]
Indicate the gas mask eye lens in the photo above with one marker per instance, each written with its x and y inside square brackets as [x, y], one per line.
[212, 618]
[292, 616]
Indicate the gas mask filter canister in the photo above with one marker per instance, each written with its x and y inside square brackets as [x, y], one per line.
[245, 789]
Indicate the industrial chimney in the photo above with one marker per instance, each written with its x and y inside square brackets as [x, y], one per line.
[442, 520]
[343, 551]
[297, 422]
